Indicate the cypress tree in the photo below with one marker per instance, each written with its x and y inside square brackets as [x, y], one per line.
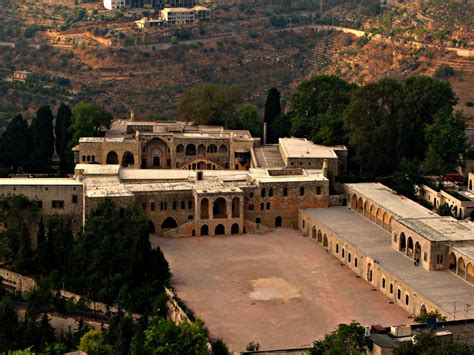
[42, 139]
[272, 113]
[15, 145]
[63, 137]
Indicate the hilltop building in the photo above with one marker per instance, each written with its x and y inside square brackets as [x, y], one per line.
[156, 4]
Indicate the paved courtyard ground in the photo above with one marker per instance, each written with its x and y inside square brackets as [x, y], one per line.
[279, 289]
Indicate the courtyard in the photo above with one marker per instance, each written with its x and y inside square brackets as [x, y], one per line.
[279, 289]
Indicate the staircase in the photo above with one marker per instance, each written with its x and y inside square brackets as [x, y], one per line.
[268, 156]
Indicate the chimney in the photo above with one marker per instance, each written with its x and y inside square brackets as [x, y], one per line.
[264, 133]
[325, 168]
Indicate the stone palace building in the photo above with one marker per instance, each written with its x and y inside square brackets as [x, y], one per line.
[209, 181]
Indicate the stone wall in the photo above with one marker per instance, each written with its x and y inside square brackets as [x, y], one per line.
[17, 282]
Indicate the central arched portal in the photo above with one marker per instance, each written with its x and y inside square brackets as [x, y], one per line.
[156, 155]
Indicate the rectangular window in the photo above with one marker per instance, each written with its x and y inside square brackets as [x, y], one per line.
[337, 248]
[425, 256]
[190, 204]
[399, 294]
[383, 283]
[175, 205]
[57, 204]
[285, 191]
[318, 190]
[391, 288]
[74, 198]
[163, 206]
[183, 205]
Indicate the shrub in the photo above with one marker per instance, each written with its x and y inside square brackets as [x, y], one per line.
[444, 71]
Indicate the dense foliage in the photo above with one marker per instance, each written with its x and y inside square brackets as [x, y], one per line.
[429, 343]
[30, 148]
[347, 339]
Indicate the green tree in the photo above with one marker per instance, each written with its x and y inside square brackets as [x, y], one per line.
[347, 339]
[93, 343]
[42, 140]
[89, 120]
[406, 177]
[446, 141]
[112, 260]
[120, 334]
[433, 314]
[15, 146]
[211, 104]
[370, 123]
[63, 138]
[445, 210]
[45, 334]
[317, 106]
[250, 120]
[272, 113]
[164, 337]
[419, 100]
[9, 336]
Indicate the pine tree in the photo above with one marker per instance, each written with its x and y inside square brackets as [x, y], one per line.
[8, 327]
[15, 144]
[42, 139]
[45, 333]
[63, 138]
[272, 113]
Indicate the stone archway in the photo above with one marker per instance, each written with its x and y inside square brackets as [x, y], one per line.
[360, 205]
[320, 238]
[452, 262]
[354, 202]
[410, 247]
[204, 230]
[190, 150]
[201, 150]
[204, 208]
[156, 155]
[222, 149]
[236, 207]
[461, 268]
[278, 221]
[423, 311]
[112, 158]
[219, 209]
[325, 242]
[313, 232]
[235, 229]
[470, 273]
[403, 243]
[417, 254]
[169, 223]
[220, 230]
[128, 159]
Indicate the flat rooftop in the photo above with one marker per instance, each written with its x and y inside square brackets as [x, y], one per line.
[279, 289]
[441, 228]
[302, 148]
[442, 287]
[398, 205]
[39, 181]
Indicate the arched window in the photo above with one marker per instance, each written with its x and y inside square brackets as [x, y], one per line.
[235, 207]
[128, 159]
[220, 208]
[191, 150]
[223, 149]
[212, 148]
[201, 149]
[180, 149]
[204, 230]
